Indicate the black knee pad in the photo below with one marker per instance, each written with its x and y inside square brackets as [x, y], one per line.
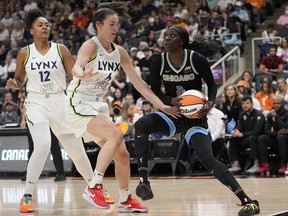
[141, 144]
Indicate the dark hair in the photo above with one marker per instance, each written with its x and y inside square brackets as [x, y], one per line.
[201, 44]
[31, 16]
[110, 8]
[247, 97]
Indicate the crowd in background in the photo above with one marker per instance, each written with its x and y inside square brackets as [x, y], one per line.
[227, 21]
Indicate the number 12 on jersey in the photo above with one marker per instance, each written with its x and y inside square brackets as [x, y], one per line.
[44, 76]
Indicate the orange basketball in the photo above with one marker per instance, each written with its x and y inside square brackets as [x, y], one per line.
[191, 103]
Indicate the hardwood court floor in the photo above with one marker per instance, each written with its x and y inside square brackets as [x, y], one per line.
[199, 196]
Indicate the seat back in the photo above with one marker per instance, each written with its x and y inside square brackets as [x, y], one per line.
[165, 148]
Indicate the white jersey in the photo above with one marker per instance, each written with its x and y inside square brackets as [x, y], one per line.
[106, 64]
[45, 73]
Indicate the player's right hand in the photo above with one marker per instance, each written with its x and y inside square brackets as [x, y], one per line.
[11, 84]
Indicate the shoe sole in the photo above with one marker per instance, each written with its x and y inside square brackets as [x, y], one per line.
[125, 210]
[29, 211]
[87, 198]
[144, 192]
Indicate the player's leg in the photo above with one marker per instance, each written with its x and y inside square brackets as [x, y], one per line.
[57, 158]
[154, 123]
[40, 133]
[201, 141]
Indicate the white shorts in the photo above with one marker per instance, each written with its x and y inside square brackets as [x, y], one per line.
[80, 110]
[47, 109]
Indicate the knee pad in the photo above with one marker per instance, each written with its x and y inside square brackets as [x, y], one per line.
[141, 144]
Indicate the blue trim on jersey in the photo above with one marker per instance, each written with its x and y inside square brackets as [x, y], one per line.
[191, 62]
[183, 63]
[171, 125]
[193, 131]
[162, 63]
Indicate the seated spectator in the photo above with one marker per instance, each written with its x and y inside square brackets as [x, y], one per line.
[218, 33]
[241, 86]
[275, 137]
[178, 21]
[211, 22]
[269, 40]
[18, 31]
[283, 19]
[145, 64]
[256, 103]
[243, 16]
[282, 52]
[10, 116]
[130, 99]
[119, 82]
[248, 77]
[231, 108]
[4, 33]
[9, 67]
[265, 97]
[250, 126]
[80, 20]
[147, 107]
[223, 4]
[3, 77]
[282, 90]
[271, 64]
[120, 41]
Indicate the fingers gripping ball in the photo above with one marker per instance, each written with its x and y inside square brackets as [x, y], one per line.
[191, 102]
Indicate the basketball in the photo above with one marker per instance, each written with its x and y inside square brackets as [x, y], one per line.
[191, 103]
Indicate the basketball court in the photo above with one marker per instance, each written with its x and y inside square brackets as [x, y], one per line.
[173, 196]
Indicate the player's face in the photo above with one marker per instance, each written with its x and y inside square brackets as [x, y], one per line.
[40, 28]
[172, 41]
[109, 27]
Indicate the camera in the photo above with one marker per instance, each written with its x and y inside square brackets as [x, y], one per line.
[117, 110]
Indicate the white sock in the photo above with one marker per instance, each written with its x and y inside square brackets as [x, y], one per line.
[97, 179]
[124, 193]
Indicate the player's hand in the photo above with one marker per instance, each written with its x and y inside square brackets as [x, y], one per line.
[171, 110]
[205, 109]
[12, 84]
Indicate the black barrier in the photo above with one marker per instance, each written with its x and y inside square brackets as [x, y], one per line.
[14, 153]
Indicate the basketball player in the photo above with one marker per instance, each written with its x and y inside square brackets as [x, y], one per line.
[181, 68]
[45, 65]
[89, 115]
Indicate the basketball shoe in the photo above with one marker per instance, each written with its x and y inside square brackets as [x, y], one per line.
[144, 191]
[26, 204]
[249, 209]
[95, 197]
[131, 205]
[108, 198]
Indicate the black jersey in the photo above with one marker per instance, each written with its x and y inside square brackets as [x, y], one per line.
[195, 67]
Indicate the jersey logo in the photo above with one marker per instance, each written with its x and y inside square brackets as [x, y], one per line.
[108, 66]
[44, 65]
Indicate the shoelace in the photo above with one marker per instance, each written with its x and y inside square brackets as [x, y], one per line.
[133, 201]
[99, 194]
[27, 201]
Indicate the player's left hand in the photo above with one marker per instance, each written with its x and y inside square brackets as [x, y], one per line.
[171, 110]
[205, 109]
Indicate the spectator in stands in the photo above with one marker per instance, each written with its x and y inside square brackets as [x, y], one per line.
[271, 64]
[250, 126]
[4, 33]
[158, 25]
[30, 5]
[203, 12]
[3, 76]
[130, 99]
[178, 21]
[145, 64]
[142, 45]
[18, 31]
[127, 115]
[211, 22]
[269, 40]
[10, 116]
[256, 103]
[283, 19]
[275, 137]
[232, 108]
[282, 90]
[10, 66]
[247, 76]
[218, 33]
[223, 4]
[201, 31]
[66, 23]
[282, 51]
[7, 20]
[151, 40]
[80, 20]
[143, 29]
[147, 107]
[119, 82]
[243, 16]
[242, 86]
[265, 97]
[120, 41]
[117, 96]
